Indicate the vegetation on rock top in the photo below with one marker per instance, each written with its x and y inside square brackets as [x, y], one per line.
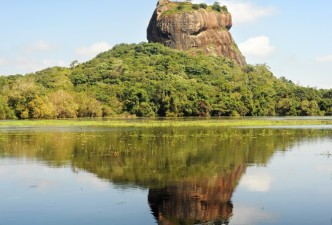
[180, 7]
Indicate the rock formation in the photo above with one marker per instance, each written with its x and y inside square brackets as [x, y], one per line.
[186, 26]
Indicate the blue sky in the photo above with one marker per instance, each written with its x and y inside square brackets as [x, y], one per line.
[292, 37]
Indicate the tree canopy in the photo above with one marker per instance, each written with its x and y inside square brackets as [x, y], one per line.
[148, 80]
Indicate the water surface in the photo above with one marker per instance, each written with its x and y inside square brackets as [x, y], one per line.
[166, 176]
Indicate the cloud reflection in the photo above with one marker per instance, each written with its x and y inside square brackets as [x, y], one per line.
[92, 181]
[32, 176]
[38, 177]
[251, 215]
[325, 168]
[257, 181]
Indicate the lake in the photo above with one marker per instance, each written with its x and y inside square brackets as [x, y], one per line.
[167, 176]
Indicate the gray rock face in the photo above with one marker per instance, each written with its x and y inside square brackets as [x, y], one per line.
[203, 29]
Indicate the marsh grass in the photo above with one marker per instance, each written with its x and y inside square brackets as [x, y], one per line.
[181, 122]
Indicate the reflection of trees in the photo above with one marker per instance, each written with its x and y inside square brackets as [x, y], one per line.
[153, 157]
[191, 173]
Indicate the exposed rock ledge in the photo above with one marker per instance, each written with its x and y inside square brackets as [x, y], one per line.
[204, 29]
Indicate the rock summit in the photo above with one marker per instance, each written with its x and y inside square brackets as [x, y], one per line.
[187, 26]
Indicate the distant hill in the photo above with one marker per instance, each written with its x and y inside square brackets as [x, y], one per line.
[149, 79]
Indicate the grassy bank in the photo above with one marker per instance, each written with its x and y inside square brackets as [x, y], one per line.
[189, 122]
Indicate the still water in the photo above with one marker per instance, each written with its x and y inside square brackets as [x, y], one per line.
[166, 176]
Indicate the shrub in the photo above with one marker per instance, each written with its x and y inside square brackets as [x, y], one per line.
[224, 9]
[216, 6]
[196, 6]
[203, 5]
[180, 6]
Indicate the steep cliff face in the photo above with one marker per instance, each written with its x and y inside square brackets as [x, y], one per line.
[184, 26]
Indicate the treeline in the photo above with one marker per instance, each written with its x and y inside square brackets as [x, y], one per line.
[149, 80]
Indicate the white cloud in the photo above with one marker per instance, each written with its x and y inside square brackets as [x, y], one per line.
[257, 182]
[3, 62]
[244, 12]
[50, 62]
[38, 46]
[25, 64]
[30, 65]
[93, 49]
[257, 46]
[324, 59]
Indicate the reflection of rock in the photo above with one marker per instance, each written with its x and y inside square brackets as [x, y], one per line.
[196, 201]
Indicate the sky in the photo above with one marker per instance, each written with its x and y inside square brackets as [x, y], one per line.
[293, 38]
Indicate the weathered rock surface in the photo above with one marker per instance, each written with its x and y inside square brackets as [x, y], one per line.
[203, 29]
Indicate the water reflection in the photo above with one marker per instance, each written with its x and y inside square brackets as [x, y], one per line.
[196, 200]
[191, 174]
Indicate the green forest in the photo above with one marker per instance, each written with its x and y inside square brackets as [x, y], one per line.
[151, 80]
